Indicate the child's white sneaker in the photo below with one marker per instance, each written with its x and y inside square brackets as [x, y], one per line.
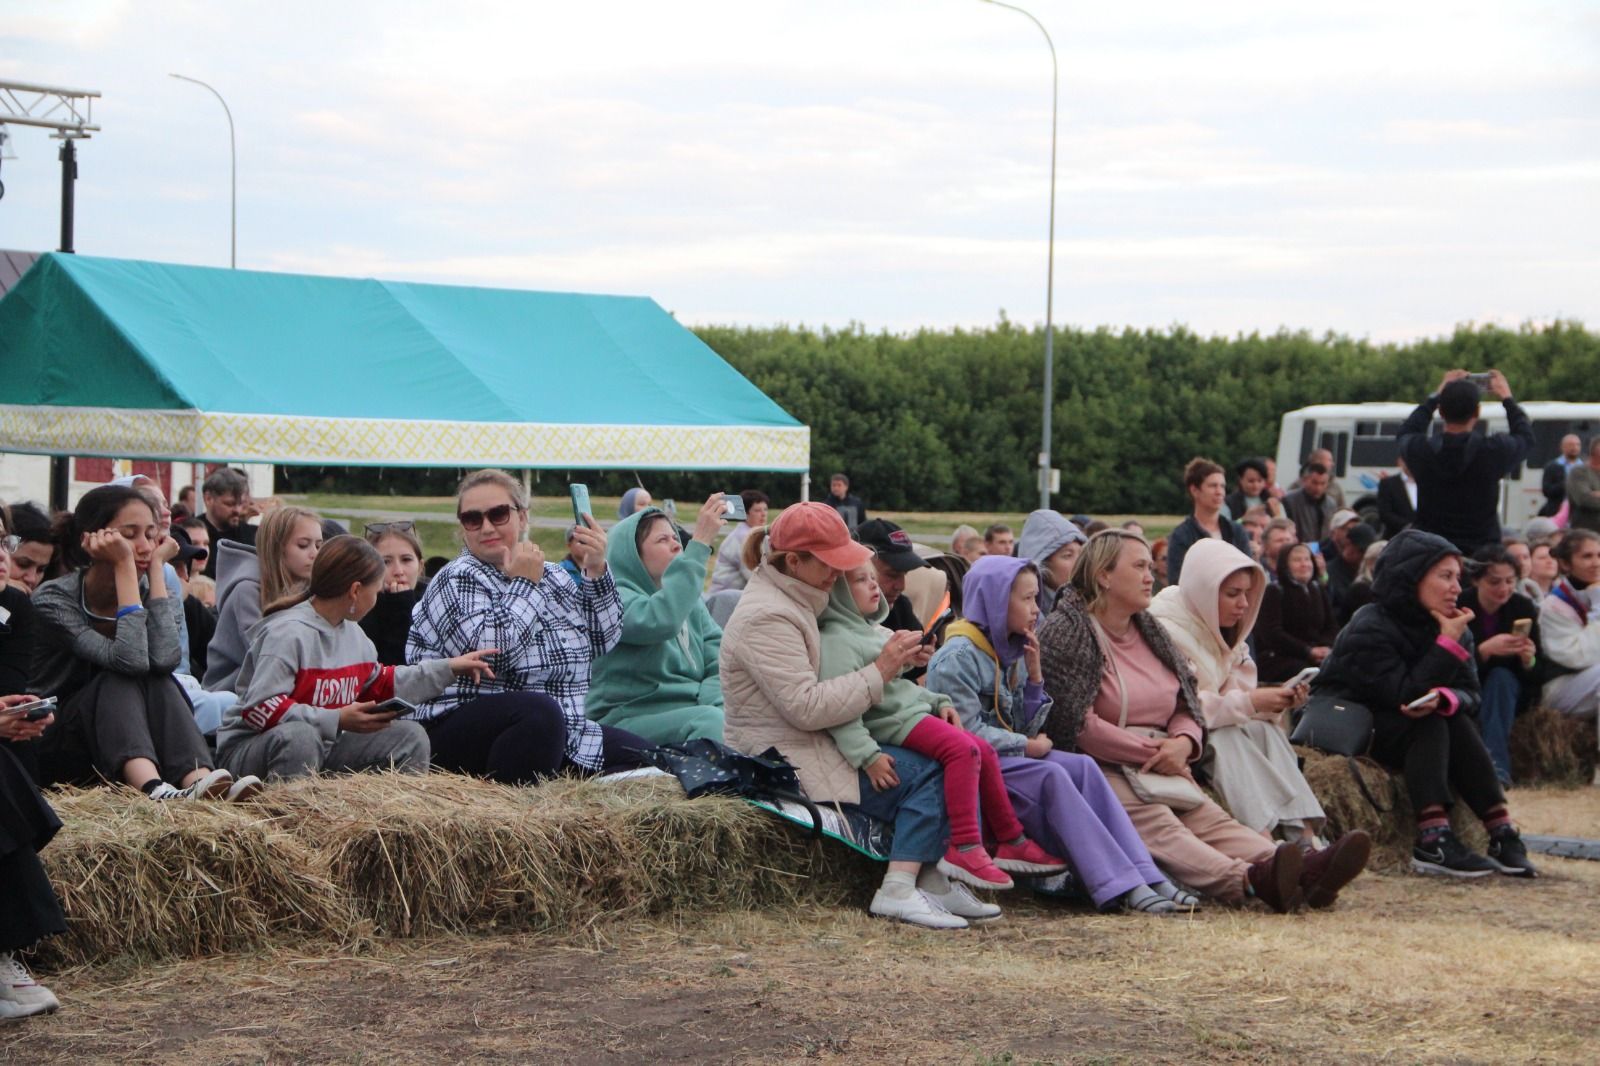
[20, 995]
[915, 907]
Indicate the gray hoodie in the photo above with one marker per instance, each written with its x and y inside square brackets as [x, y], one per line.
[238, 608]
[1044, 534]
[302, 668]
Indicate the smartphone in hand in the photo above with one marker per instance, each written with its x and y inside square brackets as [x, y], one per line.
[733, 507]
[580, 503]
[395, 705]
[1522, 627]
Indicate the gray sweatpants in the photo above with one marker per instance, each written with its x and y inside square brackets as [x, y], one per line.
[296, 749]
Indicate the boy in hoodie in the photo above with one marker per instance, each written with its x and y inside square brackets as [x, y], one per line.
[661, 681]
[1054, 544]
[924, 722]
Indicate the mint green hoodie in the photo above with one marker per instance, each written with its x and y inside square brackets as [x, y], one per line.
[661, 680]
[849, 642]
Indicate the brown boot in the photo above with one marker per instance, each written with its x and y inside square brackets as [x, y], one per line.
[1325, 872]
[1276, 880]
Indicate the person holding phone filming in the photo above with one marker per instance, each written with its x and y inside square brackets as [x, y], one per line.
[1408, 657]
[527, 721]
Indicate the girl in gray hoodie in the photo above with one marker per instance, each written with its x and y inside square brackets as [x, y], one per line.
[312, 694]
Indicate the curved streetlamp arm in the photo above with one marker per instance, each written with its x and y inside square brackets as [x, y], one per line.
[233, 173]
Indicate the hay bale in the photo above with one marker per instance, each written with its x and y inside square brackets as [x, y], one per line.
[164, 879]
[1550, 748]
[1392, 831]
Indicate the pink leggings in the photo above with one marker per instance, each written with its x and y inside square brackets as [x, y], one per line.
[971, 778]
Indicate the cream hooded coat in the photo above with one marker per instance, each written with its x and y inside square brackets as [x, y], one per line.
[771, 697]
[1225, 674]
[1253, 767]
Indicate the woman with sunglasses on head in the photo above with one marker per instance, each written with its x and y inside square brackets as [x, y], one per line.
[528, 721]
[389, 622]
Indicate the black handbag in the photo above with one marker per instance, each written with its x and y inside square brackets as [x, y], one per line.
[1335, 725]
[705, 768]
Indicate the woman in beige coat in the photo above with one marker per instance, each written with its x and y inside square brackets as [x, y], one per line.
[772, 698]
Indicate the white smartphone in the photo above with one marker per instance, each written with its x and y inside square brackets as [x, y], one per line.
[1422, 701]
[400, 707]
[1304, 677]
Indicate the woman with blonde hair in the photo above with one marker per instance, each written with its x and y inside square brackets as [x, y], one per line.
[527, 720]
[250, 578]
[1122, 693]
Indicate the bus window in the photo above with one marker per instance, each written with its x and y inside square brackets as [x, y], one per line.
[1308, 438]
[1374, 444]
[1338, 444]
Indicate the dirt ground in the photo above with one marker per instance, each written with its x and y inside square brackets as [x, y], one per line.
[1405, 969]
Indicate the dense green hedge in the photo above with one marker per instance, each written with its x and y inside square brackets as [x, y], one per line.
[949, 420]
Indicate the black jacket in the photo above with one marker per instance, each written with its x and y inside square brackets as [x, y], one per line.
[1389, 653]
[1554, 486]
[1394, 505]
[1458, 474]
[1516, 608]
[388, 625]
[1294, 619]
[850, 508]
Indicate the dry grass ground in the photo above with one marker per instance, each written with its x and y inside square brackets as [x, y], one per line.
[1405, 969]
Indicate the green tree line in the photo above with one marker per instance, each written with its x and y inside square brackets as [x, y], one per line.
[948, 420]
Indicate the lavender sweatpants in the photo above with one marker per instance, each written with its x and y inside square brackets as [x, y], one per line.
[1067, 808]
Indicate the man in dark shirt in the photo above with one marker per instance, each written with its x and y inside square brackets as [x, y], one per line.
[1554, 481]
[1458, 473]
[226, 494]
[849, 507]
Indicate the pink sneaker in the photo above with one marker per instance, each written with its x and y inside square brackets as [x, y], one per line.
[973, 867]
[1027, 858]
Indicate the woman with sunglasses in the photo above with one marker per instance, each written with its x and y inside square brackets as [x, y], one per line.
[389, 622]
[528, 721]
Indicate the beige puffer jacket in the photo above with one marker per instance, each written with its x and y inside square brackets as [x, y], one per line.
[770, 693]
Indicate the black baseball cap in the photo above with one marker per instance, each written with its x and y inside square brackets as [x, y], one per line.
[890, 543]
[188, 552]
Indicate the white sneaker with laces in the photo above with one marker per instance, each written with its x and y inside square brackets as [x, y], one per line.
[20, 995]
[214, 785]
[916, 908]
[960, 902]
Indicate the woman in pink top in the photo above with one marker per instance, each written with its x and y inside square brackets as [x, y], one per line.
[1123, 694]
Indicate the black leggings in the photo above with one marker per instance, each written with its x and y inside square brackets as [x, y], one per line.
[29, 910]
[1439, 754]
[519, 737]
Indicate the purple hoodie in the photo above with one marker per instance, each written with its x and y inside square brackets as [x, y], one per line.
[986, 601]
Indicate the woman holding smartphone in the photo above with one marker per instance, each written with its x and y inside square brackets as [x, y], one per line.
[313, 695]
[1408, 657]
[527, 721]
[1505, 628]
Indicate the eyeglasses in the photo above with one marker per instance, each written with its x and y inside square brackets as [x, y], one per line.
[497, 516]
[10, 544]
[405, 525]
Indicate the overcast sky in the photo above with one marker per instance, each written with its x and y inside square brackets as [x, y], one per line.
[1382, 169]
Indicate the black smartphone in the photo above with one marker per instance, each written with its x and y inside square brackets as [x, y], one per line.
[400, 707]
[733, 507]
[938, 624]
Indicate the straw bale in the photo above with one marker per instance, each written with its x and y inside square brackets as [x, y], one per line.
[1550, 748]
[162, 879]
[1393, 831]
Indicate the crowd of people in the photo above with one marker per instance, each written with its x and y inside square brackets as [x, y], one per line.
[1067, 702]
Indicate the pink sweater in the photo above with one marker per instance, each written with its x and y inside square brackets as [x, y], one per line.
[1152, 702]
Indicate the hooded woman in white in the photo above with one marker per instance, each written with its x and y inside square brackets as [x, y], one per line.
[1208, 615]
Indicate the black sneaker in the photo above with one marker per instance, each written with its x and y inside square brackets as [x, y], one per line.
[1509, 854]
[1443, 853]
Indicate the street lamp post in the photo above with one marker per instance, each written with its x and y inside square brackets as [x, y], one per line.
[233, 175]
[1050, 271]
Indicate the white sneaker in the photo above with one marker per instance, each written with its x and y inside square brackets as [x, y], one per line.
[20, 995]
[214, 785]
[960, 902]
[246, 788]
[918, 908]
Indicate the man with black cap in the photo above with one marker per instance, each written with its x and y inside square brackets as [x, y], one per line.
[1458, 473]
[1342, 553]
[892, 557]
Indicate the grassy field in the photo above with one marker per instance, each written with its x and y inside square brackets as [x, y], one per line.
[1405, 969]
[436, 526]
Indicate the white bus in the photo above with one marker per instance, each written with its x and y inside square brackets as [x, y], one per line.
[1361, 438]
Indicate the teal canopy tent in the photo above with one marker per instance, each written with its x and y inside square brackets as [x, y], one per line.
[153, 361]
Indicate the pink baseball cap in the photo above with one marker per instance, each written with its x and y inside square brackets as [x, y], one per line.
[818, 529]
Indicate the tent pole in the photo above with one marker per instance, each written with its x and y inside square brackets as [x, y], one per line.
[527, 483]
[805, 487]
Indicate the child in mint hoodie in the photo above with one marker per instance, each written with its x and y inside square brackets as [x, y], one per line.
[924, 722]
[661, 680]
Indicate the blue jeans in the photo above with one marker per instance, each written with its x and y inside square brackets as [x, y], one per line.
[915, 806]
[1499, 692]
